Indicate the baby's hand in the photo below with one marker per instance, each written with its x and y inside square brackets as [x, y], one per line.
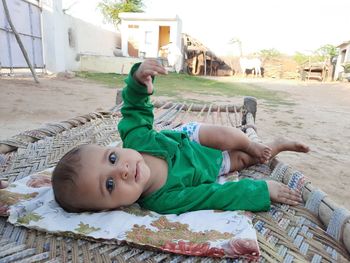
[281, 193]
[149, 68]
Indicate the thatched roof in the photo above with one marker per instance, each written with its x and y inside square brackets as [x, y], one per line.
[192, 44]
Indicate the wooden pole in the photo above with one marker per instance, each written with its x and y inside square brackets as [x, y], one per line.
[19, 41]
[205, 62]
[211, 65]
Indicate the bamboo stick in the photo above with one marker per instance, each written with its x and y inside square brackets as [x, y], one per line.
[199, 107]
[19, 41]
[326, 209]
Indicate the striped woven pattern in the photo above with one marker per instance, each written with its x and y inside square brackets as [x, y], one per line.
[285, 234]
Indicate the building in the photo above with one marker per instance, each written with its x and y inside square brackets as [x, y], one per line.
[342, 59]
[54, 40]
[144, 34]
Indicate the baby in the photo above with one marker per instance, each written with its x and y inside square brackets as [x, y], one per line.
[171, 171]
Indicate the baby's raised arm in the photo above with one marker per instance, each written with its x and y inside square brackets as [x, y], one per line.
[148, 69]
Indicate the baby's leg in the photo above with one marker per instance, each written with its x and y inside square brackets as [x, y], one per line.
[240, 160]
[280, 193]
[232, 139]
[281, 145]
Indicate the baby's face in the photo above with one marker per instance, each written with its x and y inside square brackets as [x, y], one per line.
[110, 177]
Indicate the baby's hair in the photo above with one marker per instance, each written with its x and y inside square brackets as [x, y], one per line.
[63, 179]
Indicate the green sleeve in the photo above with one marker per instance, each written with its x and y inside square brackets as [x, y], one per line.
[247, 194]
[137, 110]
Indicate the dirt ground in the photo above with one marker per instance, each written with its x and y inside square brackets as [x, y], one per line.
[320, 117]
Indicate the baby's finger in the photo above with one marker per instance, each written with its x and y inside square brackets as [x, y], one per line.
[155, 65]
[159, 66]
[289, 201]
[160, 69]
[295, 192]
[149, 88]
[291, 196]
[148, 83]
[297, 195]
[149, 72]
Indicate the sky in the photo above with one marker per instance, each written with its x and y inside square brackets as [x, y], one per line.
[288, 26]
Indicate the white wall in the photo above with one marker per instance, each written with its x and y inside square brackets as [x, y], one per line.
[89, 39]
[61, 54]
[53, 35]
[149, 23]
[338, 67]
[107, 64]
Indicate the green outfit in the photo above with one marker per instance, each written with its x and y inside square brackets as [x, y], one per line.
[192, 168]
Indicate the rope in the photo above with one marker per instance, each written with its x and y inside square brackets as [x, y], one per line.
[296, 181]
[336, 223]
[313, 203]
[279, 172]
[316, 259]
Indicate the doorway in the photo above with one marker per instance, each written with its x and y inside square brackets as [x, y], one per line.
[164, 36]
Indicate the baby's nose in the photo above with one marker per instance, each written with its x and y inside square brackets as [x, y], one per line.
[124, 170]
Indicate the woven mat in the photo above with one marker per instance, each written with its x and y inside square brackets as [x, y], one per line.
[285, 234]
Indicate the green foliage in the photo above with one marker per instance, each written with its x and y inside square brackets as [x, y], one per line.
[300, 58]
[322, 54]
[268, 54]
[326, 51]
[346, 67]
[112, 8]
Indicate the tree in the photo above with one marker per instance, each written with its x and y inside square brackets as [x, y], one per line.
[234, 41]
[268, 54]
[322, 54]
[326, 52]
[301, 58]
[112, 8]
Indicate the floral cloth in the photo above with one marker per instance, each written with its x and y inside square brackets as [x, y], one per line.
[30, 202]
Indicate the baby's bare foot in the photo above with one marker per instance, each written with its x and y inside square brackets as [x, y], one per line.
[281, 144]
[260, 151]
[280, 193]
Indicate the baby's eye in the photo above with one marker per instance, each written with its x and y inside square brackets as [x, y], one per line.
[110, 185]
[112, 158]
